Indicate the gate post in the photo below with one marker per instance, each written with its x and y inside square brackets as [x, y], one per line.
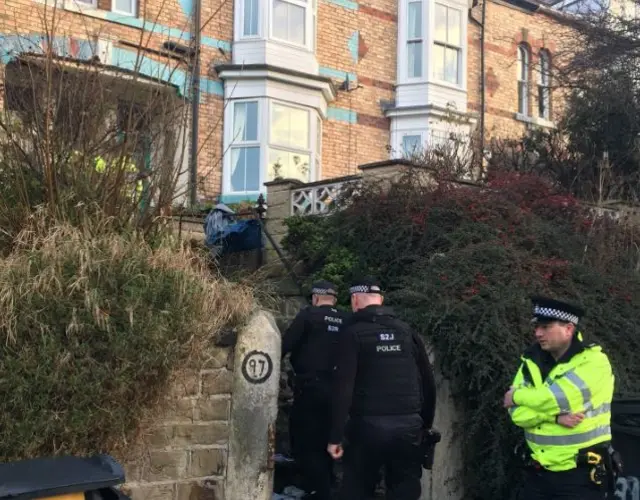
[254, 409]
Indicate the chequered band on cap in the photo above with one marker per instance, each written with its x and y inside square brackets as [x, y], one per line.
[364, 289]
[548, 312]
[323, 291]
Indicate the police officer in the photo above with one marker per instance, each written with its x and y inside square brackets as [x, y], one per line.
[383, 381]
[311, 340]
[561, 397]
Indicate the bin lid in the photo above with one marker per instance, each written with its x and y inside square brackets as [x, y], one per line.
[45, 477]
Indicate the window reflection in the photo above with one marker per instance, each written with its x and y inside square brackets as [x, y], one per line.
[288, 165]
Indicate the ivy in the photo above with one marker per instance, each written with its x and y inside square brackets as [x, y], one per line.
[459, 263]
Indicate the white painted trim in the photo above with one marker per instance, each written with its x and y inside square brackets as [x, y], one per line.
[134, 5]
[325, 89]
[79, 6]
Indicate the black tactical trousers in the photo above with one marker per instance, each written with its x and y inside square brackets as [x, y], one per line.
[567, 485]
[391, 442]
[310, 425]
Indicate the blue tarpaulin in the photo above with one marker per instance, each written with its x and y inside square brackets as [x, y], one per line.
[223, 234]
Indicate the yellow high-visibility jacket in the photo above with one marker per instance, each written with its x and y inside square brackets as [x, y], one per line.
[130, 167]
[582, 381]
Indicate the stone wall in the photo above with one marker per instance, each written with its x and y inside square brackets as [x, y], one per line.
[185, 452]
[199, 433]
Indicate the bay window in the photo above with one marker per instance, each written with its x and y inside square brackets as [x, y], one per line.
[267, 139]
[447, 44]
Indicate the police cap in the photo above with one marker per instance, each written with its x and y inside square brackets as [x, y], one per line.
[323, 287]
[366, 284]
[546, 310]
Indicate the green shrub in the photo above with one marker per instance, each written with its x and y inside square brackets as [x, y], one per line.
[459, 263]
[93, 323]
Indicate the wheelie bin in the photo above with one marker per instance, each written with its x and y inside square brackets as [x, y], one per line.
[62, 478]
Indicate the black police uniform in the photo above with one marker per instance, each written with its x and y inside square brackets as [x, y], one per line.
[311, 340]
[384, 382]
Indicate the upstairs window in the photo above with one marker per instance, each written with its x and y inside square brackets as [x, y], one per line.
[523, 79]
[414, 39]
[447, 44]
[250, 18]
[544, 86]
[290, 21]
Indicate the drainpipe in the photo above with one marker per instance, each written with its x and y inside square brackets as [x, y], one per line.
[195, 105]
[482, 82]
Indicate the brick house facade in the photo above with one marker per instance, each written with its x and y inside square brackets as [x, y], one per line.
[313, 88]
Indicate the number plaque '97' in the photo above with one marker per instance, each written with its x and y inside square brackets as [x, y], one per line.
[257, 367]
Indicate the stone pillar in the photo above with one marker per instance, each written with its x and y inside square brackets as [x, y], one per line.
[279, 205]
[254, 410]
[441, 481]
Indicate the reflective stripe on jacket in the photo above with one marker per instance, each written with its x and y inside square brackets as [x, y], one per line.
[582, 384]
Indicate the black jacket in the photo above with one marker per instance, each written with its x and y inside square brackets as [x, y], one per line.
[311, 339]
[382, 368]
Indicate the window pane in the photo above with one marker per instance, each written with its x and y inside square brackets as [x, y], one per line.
[438, 62]
[250, 17]
[245, 169]
[245, 121]
[451, 65]
[296, 24]
[441, 23]
[414, 50]
[288, 165]
[290, 126]
[453, 24]
[415, 20]
[289, 21]
[523, 63]
[123, 6]
[411, 144]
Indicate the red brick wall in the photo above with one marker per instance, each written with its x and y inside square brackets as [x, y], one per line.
[508, 26]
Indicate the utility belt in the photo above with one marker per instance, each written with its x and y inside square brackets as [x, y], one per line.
[602, 463]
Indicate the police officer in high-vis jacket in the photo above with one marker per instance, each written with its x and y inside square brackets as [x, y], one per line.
[384, 384]
[561, 398]
[311, 340]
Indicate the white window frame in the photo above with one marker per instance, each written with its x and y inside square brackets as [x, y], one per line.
[240, 6]
[134, 6]
[523, 77]
[292, 149]
[79, 4]
[233, 144]
[415, 41]
[310, 18]
[544, 85]
[265, 110]
[446, 45]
